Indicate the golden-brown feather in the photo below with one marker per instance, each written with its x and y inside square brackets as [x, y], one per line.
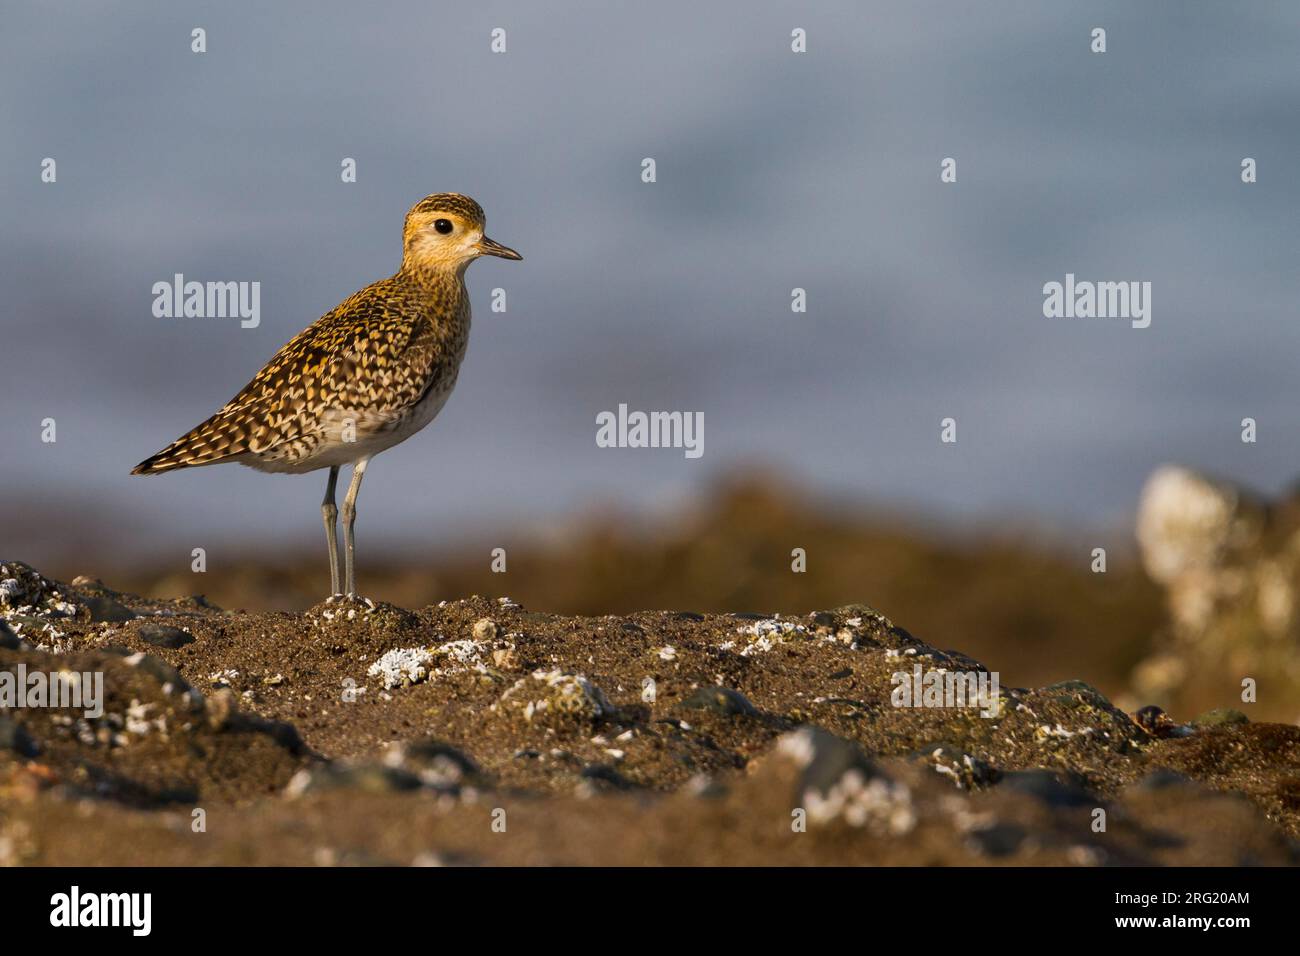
[366, 374]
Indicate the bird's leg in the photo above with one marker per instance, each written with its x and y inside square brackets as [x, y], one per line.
[350, 516]
[330, 512]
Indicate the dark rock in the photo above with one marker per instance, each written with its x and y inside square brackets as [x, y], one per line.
[1071, 687]
[437, 764]
[838, 783]
[14, 737]
[606, 777]
[223, 714]
[824, 619]
[1050, 787]
[1151, 717]
[163, 635]
[831, 757]
[960, 661]
[1000, 839]
[161, 671]
[106, 610]
[720, 700]
[1079, 691]
[1157, 723]
[9, 641]
[864, 611]
[282, 732]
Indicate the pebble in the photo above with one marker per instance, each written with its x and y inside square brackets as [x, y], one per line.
[163, 635]
[720, 700]
[1157, 723]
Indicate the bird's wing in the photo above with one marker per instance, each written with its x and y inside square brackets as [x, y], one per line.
[381, 361]
[363, 356]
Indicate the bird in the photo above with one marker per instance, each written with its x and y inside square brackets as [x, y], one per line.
[366, 375]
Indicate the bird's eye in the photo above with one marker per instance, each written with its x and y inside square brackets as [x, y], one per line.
[443, 226]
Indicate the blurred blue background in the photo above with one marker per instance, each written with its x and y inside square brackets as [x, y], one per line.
[775, 170]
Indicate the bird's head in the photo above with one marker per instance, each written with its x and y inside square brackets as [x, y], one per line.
[444, 233]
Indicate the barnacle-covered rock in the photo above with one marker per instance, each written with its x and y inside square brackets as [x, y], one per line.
[554, 696]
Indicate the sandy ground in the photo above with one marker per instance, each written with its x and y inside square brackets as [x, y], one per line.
[478, 732]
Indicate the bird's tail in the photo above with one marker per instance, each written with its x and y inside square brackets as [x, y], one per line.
[217, 439]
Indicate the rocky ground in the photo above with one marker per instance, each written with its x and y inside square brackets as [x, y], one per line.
[478, 732]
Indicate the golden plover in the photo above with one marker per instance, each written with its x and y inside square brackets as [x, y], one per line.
[368, 374]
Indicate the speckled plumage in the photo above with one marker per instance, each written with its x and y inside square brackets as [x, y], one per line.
[379, 362]
[370, 362]
[368, 374]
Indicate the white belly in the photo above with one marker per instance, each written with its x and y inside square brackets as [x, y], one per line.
[374, 433]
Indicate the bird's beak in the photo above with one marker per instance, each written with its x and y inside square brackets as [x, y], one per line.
[490, 247]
